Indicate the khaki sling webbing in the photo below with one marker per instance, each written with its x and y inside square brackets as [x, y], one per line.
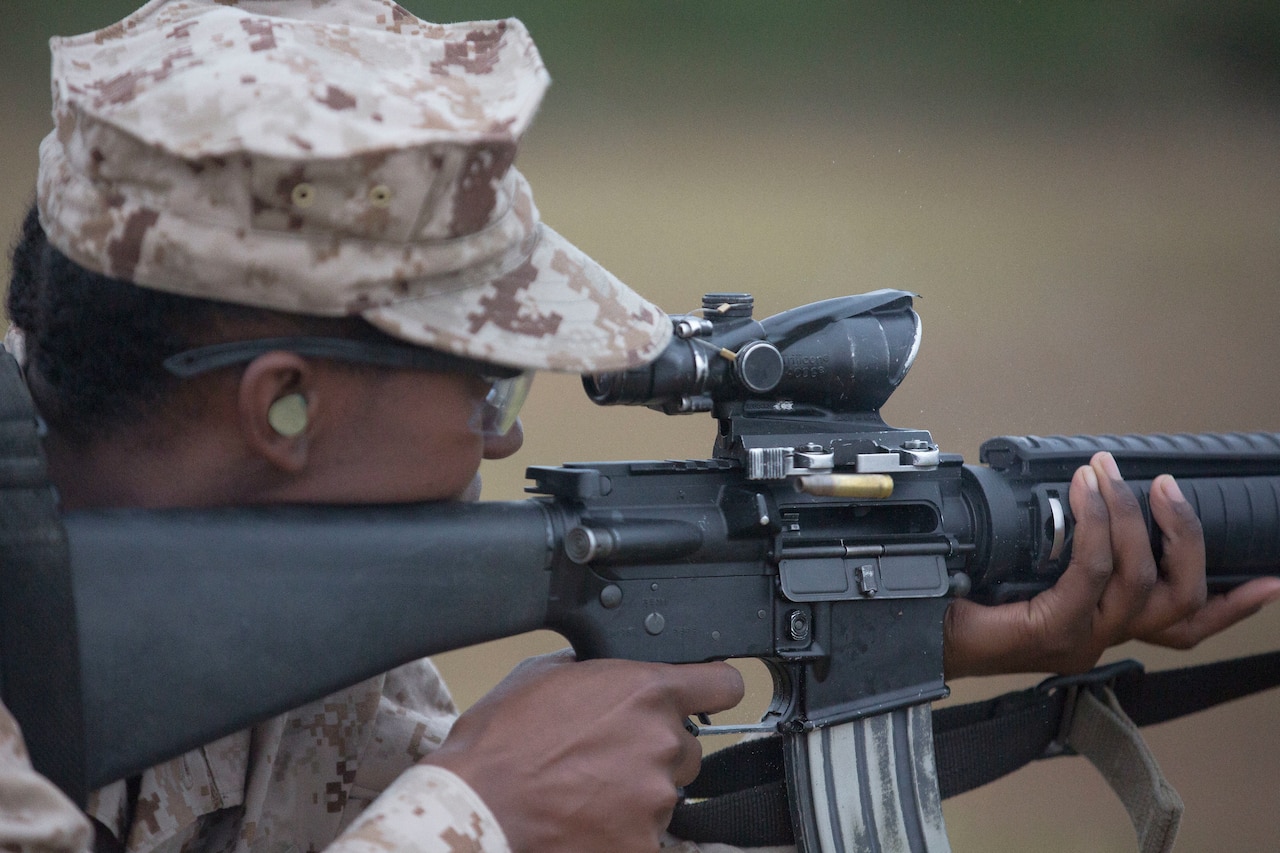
[1101, 732]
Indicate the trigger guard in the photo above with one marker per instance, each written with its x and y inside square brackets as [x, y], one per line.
[780, 716]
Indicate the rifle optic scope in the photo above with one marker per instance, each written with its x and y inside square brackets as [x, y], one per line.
[846, 355]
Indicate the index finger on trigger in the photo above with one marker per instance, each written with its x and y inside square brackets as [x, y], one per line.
[708, 688]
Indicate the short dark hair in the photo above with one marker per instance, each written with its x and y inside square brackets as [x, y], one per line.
[95, 344]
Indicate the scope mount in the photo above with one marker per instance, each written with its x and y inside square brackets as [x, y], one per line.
[796, 393]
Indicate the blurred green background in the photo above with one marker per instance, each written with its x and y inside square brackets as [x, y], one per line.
[1086, 195]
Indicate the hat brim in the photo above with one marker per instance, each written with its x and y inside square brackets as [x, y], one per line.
[558, 310]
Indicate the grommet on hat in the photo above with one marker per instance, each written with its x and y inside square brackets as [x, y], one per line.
[328, 158]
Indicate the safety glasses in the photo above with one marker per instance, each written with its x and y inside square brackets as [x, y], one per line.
[501, 407]
[495, 416]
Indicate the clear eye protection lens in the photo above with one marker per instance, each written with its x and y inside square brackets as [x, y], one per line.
[501, 407]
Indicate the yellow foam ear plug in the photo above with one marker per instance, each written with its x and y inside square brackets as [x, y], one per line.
[288, 415]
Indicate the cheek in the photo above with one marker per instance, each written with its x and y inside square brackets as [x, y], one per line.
[449, 447]
[444, 457]
[449, 475]
[471, 492]
[418, 445]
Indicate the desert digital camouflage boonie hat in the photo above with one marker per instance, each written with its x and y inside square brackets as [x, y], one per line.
[328, 157]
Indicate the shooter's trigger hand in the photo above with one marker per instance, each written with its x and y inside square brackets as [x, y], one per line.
[590, 755]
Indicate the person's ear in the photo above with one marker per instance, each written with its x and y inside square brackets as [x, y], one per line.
[275, 401]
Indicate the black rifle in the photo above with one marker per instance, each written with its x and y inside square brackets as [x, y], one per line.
[816, 538]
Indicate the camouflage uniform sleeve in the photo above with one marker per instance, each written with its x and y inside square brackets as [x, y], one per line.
[35, 817]
[430, 810]
[426, 810]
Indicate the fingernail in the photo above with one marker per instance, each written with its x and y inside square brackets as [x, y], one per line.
[1172, 490]
[1090, 478]
[1109, 465]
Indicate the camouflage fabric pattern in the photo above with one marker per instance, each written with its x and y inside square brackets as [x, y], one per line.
[35, 817]
[296, 782]
[288, 786]
[328, 158]
[422, 800]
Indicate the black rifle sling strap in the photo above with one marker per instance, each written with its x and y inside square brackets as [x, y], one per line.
[37, 613]
[740, 797]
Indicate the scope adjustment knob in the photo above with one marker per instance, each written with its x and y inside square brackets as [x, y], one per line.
[758, 366]
[717, 306]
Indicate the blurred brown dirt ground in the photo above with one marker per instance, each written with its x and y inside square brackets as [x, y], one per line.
[1116, 277]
